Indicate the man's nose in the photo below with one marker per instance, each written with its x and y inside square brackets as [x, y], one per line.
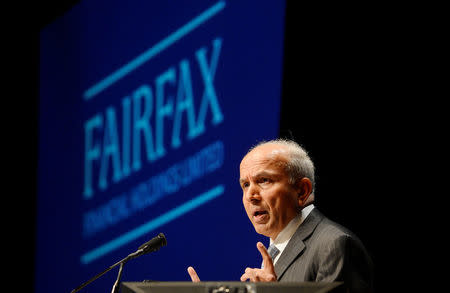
[253, 193]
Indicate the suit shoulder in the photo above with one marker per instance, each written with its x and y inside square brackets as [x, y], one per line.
[333, 229]
[329, 232]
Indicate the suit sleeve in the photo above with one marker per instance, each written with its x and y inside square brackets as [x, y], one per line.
[345, 260]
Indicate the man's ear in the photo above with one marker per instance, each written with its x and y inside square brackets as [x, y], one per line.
[304, 186]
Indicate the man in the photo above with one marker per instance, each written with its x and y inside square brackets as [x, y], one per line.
[277, 180]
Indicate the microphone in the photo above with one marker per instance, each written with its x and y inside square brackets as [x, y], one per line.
[153, 244]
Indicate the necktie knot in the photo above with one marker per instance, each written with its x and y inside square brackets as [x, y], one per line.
[273, 252]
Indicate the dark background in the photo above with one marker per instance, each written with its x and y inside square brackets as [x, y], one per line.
[350, 96]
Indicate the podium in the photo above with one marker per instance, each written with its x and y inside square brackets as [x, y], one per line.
[231, 287]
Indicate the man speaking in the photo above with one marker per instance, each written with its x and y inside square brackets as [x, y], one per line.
[277, 181]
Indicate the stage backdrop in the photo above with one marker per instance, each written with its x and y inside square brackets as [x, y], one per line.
[146, 109]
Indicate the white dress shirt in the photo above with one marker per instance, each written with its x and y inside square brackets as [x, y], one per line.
[286, 234]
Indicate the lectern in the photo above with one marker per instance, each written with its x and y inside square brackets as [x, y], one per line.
[231, 287]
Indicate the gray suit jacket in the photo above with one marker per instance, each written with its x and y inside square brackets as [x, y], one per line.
[323, 251]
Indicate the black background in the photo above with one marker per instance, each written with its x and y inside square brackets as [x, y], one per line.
[351, 95]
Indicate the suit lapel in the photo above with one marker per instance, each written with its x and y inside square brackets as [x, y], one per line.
[296, 245]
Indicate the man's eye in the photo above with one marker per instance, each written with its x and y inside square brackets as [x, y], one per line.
[264, 180]
[245, 185]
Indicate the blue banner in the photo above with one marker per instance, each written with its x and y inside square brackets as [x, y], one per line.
[146, 110]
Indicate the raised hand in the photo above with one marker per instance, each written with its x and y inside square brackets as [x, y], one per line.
[193, 275]
[266, 274]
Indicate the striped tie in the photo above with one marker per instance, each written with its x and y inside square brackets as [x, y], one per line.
[273, 252]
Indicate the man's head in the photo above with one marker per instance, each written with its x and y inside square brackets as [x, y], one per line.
[277, 180]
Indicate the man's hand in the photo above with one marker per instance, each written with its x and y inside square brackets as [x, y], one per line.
[193, 274]
[267, 274]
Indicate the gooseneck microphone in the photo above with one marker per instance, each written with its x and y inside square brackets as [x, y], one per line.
[153, 244]
[150, 246]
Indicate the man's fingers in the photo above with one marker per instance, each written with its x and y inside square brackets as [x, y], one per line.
[250, 274]
[193, 275]
[244, 277]
[258, 275]
[267, 260]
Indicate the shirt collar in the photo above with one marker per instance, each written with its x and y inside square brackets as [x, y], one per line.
[286, 234]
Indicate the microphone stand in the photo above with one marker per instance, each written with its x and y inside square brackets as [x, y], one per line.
[121, 263]
[115, 287]
[150, 246]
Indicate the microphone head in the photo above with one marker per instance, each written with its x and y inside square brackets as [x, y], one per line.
[154, 243]
[162, 238]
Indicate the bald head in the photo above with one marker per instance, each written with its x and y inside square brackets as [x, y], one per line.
[295, 159]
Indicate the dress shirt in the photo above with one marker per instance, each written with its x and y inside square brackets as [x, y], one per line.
[286, 234]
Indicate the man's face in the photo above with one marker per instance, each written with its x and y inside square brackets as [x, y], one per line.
[269, 199]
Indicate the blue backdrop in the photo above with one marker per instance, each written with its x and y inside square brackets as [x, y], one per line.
[146, 110]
